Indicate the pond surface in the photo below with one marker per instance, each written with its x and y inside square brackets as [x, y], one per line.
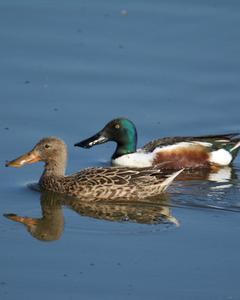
[67, 68]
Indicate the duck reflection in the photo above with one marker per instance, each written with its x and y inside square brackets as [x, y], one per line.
[215, 189]
[218, 175]
[51, 225]
[148, 211]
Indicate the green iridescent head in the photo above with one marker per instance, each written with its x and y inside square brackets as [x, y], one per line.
[121, 130]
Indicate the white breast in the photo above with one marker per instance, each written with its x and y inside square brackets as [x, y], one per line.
[135, 160]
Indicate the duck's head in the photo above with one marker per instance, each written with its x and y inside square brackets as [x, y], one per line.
[50, 150]
[121, 130]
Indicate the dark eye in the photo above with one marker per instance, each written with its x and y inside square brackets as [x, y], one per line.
[47, 146]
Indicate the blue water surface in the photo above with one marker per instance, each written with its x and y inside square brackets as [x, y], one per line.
[67, 68]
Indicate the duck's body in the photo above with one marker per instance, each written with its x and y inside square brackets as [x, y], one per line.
[110, 183]
[193, 154]
[174, 153]
[93, 183]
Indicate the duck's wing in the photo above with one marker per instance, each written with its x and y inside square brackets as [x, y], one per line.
[118, 176]
[118, 182]
[211, 139]
[122, 176]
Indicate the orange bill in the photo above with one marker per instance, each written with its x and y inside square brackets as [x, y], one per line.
[24, 220]
[28, 158]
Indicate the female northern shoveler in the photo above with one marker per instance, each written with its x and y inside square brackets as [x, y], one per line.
[176, 152]
[93, 183]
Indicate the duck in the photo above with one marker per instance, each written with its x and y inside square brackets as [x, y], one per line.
[96, 183]
[189, 152]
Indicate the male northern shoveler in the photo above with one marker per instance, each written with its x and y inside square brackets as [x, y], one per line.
[93, 183]
[175, 152]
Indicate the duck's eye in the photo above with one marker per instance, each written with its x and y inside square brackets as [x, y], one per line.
[47, 146]
[117, 126]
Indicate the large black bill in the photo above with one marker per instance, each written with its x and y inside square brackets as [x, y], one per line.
[96, 139]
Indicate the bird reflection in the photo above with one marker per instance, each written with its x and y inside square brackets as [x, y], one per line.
[150, 211]
[51, 225]
[208, 190]
[205, 192]
[218, 175]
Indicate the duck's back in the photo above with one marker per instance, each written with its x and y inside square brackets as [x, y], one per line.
[111, 183]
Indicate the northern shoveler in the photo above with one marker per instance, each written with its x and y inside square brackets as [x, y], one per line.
[175, 152]
[93, 183]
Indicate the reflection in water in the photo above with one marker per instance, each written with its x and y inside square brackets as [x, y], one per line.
[217, 189]
[218, 175]
[51, 225]
[150, 211]
[199, 188]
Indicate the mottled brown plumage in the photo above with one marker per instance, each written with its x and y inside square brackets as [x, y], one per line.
[93, 183]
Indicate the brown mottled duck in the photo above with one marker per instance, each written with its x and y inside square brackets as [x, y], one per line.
[92, 183]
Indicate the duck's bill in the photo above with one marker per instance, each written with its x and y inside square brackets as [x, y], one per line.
[96, 139]
[28, 158]
[23, 220]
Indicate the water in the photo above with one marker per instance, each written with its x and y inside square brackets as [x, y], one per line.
[67, 68]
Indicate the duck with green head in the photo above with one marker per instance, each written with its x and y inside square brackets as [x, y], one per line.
[122, 131]
[191, 152]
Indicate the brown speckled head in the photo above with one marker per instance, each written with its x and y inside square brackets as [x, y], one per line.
[51, 150]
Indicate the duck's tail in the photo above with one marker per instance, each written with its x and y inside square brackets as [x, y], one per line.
[235, 148]
[169, 180]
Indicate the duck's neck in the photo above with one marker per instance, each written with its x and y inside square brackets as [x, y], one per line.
[55, 167]
[126, 140]
[125, 148]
